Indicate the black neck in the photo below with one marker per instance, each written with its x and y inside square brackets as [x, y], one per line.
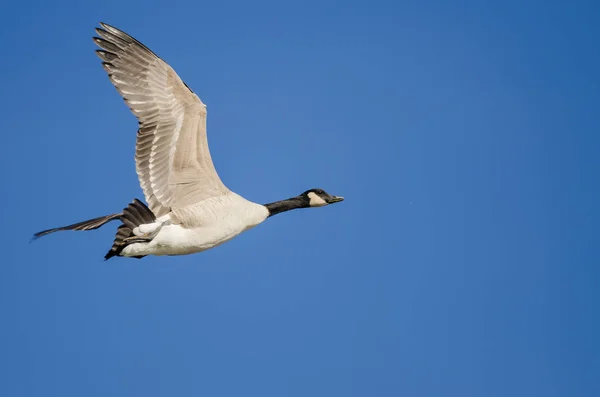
[286, 205]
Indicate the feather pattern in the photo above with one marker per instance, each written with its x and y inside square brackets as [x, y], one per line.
[172, 157]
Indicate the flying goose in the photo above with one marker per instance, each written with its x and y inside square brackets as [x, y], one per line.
[189, 209]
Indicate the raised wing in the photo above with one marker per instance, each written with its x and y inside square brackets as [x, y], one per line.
[172, 157]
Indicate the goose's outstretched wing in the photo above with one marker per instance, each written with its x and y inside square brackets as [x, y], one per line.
[172, 157]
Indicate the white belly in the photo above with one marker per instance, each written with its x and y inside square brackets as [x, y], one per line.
[176, 240]
[220, 220]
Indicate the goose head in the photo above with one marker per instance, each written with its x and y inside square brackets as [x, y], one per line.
[319, 198]
[309, 199]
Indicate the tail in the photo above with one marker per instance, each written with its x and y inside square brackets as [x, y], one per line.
[136, 213]
[85, 225]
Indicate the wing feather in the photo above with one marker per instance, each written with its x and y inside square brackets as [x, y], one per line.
[172, 157]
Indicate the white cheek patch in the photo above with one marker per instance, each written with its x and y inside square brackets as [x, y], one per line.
[315, 200]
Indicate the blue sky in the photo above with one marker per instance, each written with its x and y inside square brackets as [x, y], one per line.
[464, 261]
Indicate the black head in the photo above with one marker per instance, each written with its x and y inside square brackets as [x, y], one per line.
[310, 198]
[319, 198]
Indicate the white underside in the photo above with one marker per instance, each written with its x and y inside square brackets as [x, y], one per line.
[220, 219]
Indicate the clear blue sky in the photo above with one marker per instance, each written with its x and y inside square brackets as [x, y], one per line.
[464, 262]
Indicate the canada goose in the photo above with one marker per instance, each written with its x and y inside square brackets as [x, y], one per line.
[189, 208]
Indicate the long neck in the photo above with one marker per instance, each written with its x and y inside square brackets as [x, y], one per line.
[285, 205]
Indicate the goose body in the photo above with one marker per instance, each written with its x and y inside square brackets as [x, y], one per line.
[189, 209]
[216, 220]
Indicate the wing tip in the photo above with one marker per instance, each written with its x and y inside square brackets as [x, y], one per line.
[106, 56]
[123, 36]
[109, 28]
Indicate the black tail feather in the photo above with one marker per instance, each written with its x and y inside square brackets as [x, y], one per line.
[135, 214]
[90, 224]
